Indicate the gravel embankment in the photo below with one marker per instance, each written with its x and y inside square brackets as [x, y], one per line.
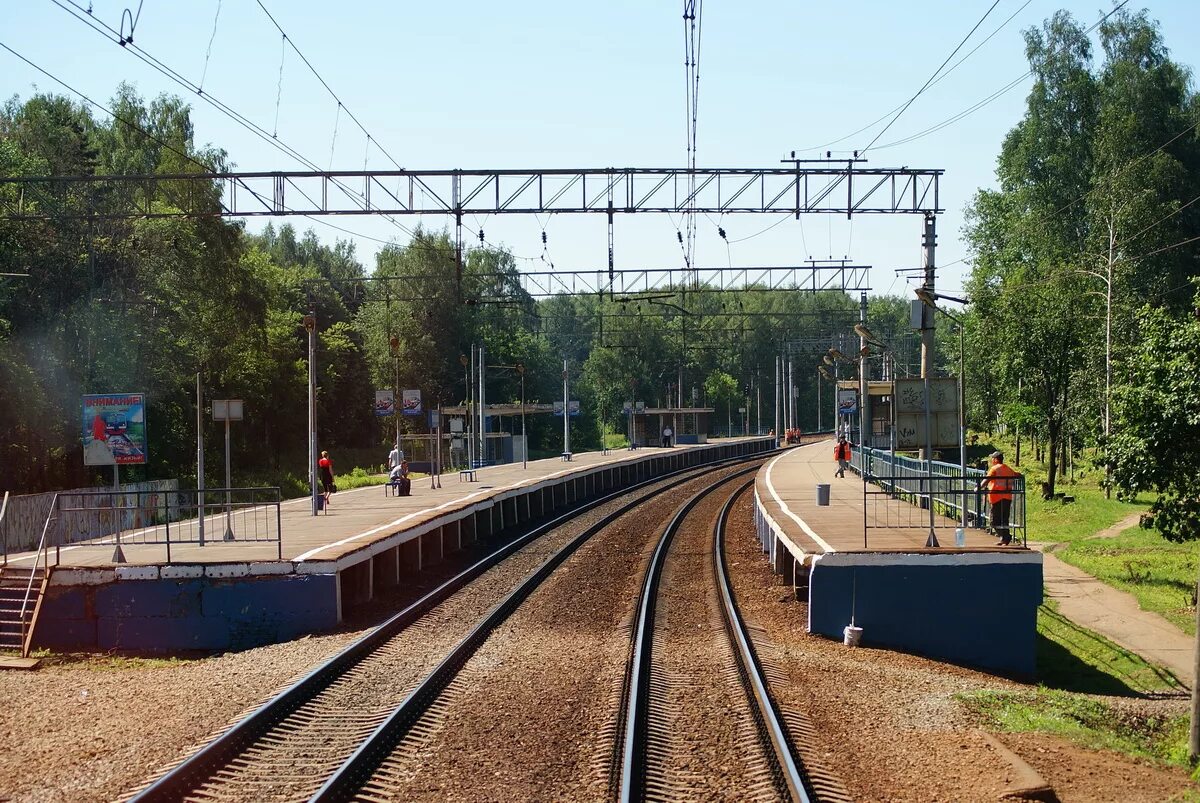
[93, 728]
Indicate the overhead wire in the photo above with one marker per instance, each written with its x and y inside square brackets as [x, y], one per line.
[939, 79]
[990, 98]
[932, 77]
[168, 146]
[83, 15]
[208, 52]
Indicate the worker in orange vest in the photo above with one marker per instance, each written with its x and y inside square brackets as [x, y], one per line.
[841, 453]
[999, 484]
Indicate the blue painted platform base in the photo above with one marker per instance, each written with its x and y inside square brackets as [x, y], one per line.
[198, 613]
[977, 609]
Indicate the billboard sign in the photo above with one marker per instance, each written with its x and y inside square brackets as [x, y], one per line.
[385, 403]
[114, 429]
[574, 408]
[847, 402]
[943, 413]
[410, 402]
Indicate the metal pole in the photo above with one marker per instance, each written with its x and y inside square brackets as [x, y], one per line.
[819, 405]
[566, 414]
[483, 406]
[524, 432]
[470, 417]
[929, 241]
[962, 418]
[864, 383]
[311, 325]
[791, 399]
[200, 456]
[228, 482]
[778, 430]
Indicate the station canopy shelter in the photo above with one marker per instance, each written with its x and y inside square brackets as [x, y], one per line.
[690, 424]
[503, 440]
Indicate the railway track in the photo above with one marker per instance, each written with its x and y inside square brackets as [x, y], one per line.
[699, 719]
[326, 735]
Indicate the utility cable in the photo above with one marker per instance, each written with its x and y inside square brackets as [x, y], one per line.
[990, 98]
[82, 15]
[208, 53]
[939, 79]
[168, 146]
[932, 77]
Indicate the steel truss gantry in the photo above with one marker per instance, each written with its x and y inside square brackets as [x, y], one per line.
[634, 281]
[827, 188]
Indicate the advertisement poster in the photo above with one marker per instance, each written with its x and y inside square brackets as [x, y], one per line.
[385, 403]
[847, 402]
[573, 408]
[410, 402]
[114, 429]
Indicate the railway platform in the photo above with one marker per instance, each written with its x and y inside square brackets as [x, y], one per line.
[231, 595]
[862, 560]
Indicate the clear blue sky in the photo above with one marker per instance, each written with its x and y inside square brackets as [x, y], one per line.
[563, 84]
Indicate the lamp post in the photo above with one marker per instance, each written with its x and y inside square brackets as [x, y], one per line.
[928, 299]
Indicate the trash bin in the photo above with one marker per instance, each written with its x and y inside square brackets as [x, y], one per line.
[823, 494]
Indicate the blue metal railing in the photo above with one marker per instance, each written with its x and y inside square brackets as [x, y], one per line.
[946, 486]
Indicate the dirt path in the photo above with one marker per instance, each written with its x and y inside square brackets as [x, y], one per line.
[1116, 614]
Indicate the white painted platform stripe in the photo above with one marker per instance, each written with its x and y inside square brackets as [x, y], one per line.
[539, 480]
[787, 511]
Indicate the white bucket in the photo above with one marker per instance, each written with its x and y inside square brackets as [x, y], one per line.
[960, 537]
[851, 635]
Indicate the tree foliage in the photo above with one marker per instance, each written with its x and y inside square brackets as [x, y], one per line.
[1157, 442]
[1086, 225]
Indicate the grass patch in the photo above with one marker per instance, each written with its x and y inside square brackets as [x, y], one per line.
[105, 662]
[1051, 520]
[358, 478]
[1160, 574]
[615, 440]
[1085, 721]
[1073, 658]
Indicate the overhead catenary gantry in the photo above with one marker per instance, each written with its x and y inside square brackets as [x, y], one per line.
[799, 189]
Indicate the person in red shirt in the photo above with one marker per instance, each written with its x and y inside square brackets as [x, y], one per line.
[325, 470]
[999, 484]
[841, 453]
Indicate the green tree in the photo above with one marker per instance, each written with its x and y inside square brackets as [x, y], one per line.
[1156, 445]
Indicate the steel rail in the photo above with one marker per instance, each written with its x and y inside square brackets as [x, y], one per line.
[202, 765]
[637, 699]
[350, 778]
[786, 766]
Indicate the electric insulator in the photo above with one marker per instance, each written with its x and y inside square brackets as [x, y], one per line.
[721, 232]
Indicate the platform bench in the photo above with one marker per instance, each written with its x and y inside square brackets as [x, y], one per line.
[468, 474]
[397, 488]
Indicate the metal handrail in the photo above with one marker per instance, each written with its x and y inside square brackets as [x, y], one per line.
[4, 544]
[43, 548]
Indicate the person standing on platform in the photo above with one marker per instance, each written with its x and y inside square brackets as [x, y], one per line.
[325, 469]
[999, 484]
[667, 435]
[841, 453]
[395, 457]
